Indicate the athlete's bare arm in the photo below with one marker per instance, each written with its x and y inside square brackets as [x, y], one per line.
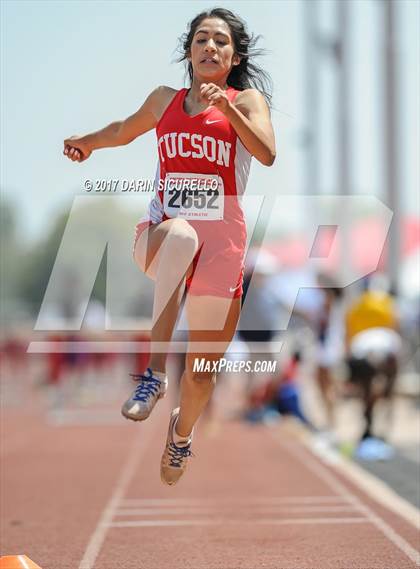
[119, 133]
[250, 117]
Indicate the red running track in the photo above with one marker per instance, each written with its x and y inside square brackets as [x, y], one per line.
[90, 497]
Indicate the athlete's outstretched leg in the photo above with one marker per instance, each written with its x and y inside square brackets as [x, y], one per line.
[197, 386]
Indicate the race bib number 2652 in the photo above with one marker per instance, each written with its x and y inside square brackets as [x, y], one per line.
[193, 196]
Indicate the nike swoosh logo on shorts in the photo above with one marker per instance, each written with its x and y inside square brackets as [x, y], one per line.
[211, 122]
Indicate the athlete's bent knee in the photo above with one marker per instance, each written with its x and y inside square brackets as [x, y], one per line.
[183, 245]
[181, 228]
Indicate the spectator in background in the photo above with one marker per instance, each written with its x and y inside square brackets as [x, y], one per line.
[287, 393]
[373, 344]
[280, 394]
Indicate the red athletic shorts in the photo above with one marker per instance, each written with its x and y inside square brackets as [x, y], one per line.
[217, 267]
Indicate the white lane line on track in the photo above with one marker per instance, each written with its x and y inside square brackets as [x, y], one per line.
[221, 522]
[291, 521]
[216, 510]
[334, 483]
[270, 500]
[137, 450]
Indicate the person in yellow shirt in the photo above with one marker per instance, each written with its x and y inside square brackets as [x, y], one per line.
[372, 309]
[373, 344]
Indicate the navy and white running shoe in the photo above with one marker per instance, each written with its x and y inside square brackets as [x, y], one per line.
[143, 399]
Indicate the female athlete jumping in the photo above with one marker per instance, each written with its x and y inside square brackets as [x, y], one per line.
[193, 238]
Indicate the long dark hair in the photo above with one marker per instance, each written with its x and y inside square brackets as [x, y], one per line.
[243, 76]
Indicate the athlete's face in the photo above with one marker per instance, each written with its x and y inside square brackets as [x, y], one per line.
[212, 51]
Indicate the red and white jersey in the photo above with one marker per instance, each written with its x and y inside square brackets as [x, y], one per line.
[202, 174]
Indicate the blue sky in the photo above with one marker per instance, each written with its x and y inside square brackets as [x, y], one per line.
[71, 67]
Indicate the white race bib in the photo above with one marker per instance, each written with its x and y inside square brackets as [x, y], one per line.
[194, 196]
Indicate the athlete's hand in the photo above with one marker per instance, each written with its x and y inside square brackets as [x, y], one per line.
[76, 149]
[215, 96]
